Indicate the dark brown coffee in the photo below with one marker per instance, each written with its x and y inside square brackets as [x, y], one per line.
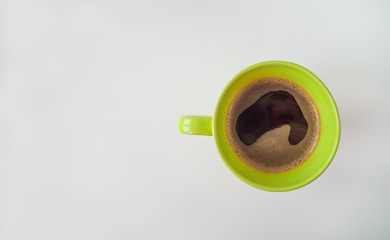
[273, 125]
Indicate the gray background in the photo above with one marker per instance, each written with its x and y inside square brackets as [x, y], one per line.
[90, 92]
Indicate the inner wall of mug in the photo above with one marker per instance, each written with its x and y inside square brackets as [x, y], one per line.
[327, 143]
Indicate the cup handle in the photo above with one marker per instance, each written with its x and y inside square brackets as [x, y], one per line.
[195, 125]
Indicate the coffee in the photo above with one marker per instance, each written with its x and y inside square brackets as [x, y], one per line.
[273, 125]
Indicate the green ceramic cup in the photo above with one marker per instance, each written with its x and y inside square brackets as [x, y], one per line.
[322, 155]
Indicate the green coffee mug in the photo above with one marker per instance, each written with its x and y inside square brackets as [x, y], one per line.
[298, 177]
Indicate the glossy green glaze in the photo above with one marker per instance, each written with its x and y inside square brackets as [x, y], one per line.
[195, 125]
[327, 143]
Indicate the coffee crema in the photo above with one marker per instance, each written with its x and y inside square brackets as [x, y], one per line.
[273, 125]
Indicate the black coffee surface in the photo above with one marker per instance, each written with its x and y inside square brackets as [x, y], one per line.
[272, 110]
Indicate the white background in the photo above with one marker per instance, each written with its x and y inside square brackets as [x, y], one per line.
[90, 92]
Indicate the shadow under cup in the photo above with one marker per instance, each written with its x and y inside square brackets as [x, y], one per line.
[328, 140]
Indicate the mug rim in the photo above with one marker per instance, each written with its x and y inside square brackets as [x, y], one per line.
[329, 109]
